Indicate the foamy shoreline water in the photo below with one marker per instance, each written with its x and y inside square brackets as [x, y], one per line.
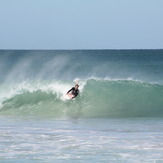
[38, 139]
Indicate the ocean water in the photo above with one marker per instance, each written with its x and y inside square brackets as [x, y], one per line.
[117, 117]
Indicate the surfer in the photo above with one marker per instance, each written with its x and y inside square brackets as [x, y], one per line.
[74, 91]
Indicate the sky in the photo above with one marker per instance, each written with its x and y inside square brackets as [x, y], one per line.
[81, 24]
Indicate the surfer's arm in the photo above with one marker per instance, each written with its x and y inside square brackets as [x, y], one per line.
[70, 90]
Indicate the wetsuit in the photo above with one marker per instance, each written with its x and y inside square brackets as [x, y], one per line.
[74, 91]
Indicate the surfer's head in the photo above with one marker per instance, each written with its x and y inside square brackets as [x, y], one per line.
[76, 86]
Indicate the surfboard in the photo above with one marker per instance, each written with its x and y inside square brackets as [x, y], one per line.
[69, 96]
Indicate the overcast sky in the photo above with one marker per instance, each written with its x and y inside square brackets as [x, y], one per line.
[81, 24]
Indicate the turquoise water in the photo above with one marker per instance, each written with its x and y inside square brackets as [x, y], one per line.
[117, 117]
[102, 98]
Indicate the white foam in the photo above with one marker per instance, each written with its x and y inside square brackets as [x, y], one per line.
[59, 88]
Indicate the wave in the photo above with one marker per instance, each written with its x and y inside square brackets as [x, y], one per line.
[100, 98]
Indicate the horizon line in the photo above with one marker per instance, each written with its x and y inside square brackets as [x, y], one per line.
[85, 49]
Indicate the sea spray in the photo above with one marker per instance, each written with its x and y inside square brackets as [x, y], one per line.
[21, 65]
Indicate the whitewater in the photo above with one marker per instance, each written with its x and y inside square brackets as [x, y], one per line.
[117, 117]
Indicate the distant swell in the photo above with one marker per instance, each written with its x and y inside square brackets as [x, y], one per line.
[98, 98]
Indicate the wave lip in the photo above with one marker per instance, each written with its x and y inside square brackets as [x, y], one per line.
[98, 98]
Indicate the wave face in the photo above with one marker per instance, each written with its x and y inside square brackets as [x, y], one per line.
[98, 98]
[113, 83]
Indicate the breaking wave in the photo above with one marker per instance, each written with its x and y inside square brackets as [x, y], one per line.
[100, 98]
